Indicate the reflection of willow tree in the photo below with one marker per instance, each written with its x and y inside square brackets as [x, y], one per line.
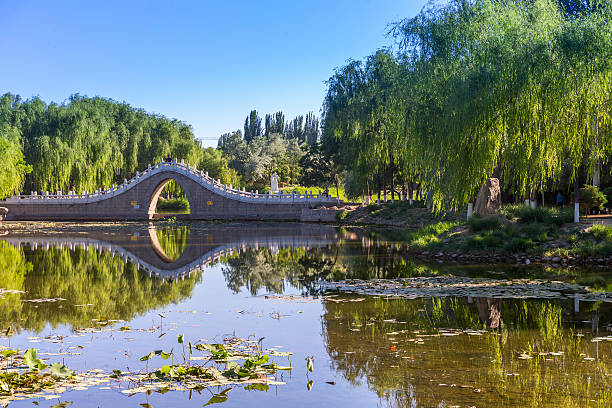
[13, 269]
[264, 268]
[115, 290]
[359, 343]
[173, 240]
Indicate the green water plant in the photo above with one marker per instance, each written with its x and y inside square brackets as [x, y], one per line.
[37, 376]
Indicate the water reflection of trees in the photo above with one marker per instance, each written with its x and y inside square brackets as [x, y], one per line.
[113, 289]
[173, 240]
[271, 269]
[360, 336]
[255, 269]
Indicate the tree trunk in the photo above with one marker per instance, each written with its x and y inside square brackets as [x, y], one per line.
[392, 188]
[378, 186]
[385, 185]
[410, 193]
[596, 166]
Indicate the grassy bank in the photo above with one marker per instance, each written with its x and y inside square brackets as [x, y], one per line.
[545, 235]
[179, 205]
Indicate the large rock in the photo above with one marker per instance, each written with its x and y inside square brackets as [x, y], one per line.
[488, 201]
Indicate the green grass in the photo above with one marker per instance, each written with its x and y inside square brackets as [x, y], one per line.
[317, 190]
[429, 236]
[174, 204]
[488, 240]
[601, 232]
[489, 223]
[544, 215]
[340, 215]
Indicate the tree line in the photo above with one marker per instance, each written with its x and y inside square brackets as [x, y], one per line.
[273, 145]
[518, 89]
[88, 143]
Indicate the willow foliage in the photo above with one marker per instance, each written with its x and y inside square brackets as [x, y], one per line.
[89, 143]
[512, 88]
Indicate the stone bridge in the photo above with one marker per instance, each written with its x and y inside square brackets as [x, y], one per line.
[203, 248]
[136, 199]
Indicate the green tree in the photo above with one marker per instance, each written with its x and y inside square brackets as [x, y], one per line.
[252, 126]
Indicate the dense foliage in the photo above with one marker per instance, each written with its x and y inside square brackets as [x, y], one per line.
[88, 143]
[518, 89]
[277, 146]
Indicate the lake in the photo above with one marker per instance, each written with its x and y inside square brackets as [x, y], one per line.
[99, 297]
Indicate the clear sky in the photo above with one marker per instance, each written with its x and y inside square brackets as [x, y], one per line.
[205, 62]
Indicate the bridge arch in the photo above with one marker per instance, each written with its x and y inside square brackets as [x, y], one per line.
[136, 199]
[157, 190]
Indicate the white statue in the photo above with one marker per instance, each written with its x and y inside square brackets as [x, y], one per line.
[274, 183]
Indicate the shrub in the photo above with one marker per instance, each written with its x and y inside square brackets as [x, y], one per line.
[511, 211]
[340, 215]
[489, 223]
[589, 249]
[174, 204]
[545, 215]
[573, 238]
[601, 232]
[591, 197]
[608, 193]
[489, 240]
[519, 244]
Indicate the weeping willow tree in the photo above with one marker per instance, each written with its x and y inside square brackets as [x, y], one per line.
[12, 165]
[112, 289]
[481, 88]
[91, 143]
[364, 123]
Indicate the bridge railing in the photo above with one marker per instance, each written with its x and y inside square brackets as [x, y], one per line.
[182, 168]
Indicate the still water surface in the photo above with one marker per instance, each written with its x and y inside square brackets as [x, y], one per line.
[214, 281]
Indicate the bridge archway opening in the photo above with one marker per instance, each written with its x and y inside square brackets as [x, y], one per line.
[170, 199]
[169, 242]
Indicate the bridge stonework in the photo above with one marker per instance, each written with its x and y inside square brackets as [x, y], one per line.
[137, 199]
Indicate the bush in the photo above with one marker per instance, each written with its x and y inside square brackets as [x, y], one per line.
[573, 238]
[519, 244]
[545, 215]
[340, 215]
[601, 232]
[174, 204]
[489, 223]
[589, 249]
[489, 240]
[591, 197]
[608, 193]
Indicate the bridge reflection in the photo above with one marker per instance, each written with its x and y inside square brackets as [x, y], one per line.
[176, 252]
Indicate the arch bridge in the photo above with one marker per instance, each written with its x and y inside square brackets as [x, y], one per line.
[136, 199]
[203, 247]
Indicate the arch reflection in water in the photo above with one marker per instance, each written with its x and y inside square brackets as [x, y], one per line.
[119, 275]
[94, 284]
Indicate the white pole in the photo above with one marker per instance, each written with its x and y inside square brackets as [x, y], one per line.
[576, 212]
[470, 210]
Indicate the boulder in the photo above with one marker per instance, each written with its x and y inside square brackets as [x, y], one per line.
[488, 201]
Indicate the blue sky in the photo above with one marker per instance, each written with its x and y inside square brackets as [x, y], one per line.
[205, 62]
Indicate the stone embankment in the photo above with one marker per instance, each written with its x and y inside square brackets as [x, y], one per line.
[522, 259]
